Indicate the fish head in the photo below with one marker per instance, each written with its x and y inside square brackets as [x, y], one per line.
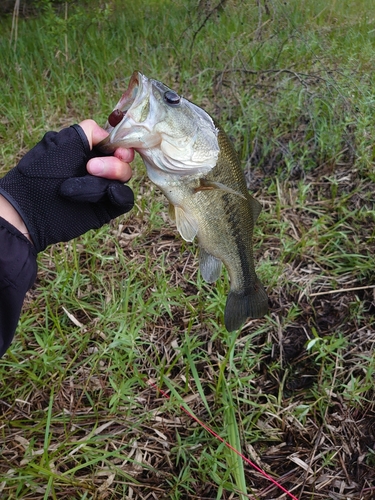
[172, 134]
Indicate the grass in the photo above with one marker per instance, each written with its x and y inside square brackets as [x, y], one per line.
[125, 306]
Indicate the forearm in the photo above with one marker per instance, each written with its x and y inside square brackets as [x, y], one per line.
[9, 213]
[18, 270]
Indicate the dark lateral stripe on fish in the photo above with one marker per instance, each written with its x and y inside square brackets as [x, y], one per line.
[235, 227]
[253, 300]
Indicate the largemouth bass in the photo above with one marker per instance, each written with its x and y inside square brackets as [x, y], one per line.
[190, 158]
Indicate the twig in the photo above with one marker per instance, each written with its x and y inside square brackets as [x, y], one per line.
[340, 290]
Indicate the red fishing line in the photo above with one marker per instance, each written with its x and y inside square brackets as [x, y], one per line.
[213, 433]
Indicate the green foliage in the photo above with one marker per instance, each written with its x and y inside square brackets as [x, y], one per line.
[58, 24]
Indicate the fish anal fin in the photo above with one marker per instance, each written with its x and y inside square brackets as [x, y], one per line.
[186, 224]
[209, 266]
[242, 305]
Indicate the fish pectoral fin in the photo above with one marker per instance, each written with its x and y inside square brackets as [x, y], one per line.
[206, 185]
[186, 224]
[209, 266]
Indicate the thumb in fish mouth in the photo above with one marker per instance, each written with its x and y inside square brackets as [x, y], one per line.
[105, 146]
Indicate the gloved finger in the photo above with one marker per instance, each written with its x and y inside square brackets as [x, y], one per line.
[110, 167]
[95, 189]
[85, 189]
[121, 195]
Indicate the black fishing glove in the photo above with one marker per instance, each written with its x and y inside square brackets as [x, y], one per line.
[56, 197]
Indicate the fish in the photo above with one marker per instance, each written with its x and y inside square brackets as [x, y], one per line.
[191, 160]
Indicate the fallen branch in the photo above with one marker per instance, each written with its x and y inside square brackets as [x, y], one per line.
[340, 290]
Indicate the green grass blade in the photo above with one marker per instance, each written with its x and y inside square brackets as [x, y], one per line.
[235, 461]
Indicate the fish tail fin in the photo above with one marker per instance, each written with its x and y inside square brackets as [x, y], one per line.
[250, 303]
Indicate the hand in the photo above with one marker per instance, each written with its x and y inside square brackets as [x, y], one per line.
[111, 167]
[53, 195]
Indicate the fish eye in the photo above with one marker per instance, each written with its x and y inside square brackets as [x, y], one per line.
[172, 98]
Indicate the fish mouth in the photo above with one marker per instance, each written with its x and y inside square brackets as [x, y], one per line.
[136, 91]
[128, 98]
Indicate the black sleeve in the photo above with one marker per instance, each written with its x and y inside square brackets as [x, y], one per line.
[18, 270]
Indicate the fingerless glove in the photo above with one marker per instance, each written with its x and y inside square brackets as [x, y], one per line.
[56, 197]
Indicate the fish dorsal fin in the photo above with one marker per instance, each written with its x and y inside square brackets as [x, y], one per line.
[209, 266]
[186, 224]
[256, 207]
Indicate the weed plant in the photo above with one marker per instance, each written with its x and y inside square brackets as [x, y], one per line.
[123, 311]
